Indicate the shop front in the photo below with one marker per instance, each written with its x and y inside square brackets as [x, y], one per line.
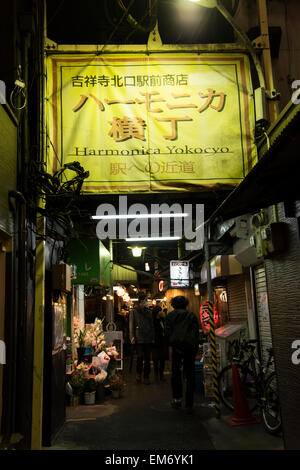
[83, 350]
[230, 306]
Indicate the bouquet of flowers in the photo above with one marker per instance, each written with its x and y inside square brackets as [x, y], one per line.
[83, 369]
[116, 382]
[95, 337]
[78, 333]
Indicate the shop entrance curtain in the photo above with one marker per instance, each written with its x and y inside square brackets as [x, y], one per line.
[154, 122]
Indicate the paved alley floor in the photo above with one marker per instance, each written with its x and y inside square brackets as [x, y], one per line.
[144, 420]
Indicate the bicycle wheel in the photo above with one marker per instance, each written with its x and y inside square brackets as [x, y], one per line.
[226, 387]
[271, 408]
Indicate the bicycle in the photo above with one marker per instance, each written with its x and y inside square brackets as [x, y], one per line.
[259, 385]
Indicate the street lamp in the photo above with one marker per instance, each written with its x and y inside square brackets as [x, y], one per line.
[240, 33]
[137, 250]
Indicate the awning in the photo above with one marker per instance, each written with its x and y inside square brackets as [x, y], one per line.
[121, 274]
[275, 178]
[221, 266]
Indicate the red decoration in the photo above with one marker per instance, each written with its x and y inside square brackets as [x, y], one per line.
[161, 286]
[204, 316]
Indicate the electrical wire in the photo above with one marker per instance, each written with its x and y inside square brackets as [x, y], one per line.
[19, 90]
[56, 12]
[117, 25]
[137, 24]
[142, 19]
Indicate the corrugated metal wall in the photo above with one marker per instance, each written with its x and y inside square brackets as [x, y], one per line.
[264, 327]
[236, 295]
[8, 166]
[283, 279]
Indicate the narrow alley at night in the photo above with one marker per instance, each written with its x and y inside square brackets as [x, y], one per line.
[149, 229]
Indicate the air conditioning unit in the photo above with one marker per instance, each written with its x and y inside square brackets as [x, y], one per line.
[61, 277]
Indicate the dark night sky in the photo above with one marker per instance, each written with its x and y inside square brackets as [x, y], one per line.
[93, 21]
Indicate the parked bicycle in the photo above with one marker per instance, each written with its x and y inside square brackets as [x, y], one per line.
[259, 385]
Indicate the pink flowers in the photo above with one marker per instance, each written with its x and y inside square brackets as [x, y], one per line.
[112, 351]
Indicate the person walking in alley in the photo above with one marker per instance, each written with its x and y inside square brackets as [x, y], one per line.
[182, 330]
[160, 348]
[141, 331]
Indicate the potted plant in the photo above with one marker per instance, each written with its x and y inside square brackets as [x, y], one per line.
[77, 384]
[83, 369]
[117, 385]
[69, 365]
[89, 391]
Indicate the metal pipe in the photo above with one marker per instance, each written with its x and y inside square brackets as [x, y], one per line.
[212, 336]
[247, 43]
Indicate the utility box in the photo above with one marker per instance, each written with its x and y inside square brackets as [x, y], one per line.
[227, 334]
[61, 277]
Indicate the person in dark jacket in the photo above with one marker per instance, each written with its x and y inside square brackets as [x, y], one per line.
[160, 348]
[141, 331]
[178, 321]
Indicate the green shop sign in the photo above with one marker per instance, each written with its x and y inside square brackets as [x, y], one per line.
[92, 260]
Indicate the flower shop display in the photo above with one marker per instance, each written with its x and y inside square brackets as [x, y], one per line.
[90, 387]
[83, 369]
[117, 385]
[95, 340]
[69, 365]
[80, 338]
[77, 386]
[103, 360]
[97, 369]
[100, 391]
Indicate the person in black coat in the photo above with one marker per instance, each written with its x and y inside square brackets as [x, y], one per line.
[182, 329]
[160, 347]
[141, 334]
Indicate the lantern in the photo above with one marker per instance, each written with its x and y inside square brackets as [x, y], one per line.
[204, 316]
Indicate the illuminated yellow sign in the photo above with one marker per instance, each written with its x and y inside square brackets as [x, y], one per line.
[147, 123]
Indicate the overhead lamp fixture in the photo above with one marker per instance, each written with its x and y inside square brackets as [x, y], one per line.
[151, 239]
[136, 250]
[206, 3]
[138, 216]
[224, 12]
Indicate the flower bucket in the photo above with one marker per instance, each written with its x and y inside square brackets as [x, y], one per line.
[89, 398]
[115, 393]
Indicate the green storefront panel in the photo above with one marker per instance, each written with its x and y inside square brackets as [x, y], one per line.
[92, 260]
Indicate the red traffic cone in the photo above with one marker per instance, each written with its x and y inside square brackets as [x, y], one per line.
[242, 413]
